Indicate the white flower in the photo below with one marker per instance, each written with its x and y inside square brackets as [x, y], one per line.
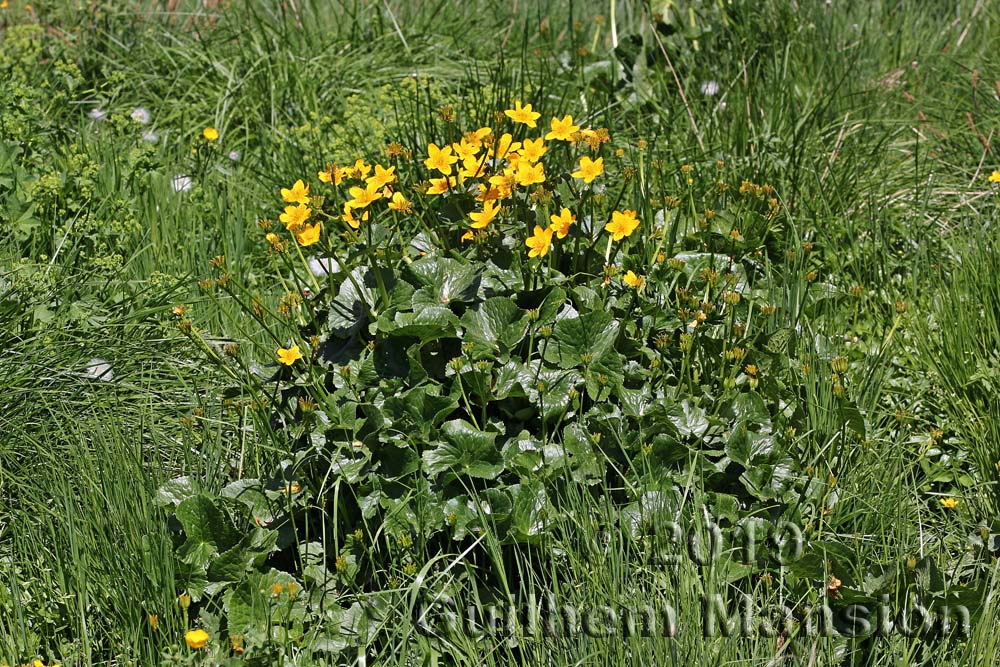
[234, 156]
[140, 115]
[181, 183]
[97, 113]
[99, 369]
[150, 136]
[710, 88]
[322, 267]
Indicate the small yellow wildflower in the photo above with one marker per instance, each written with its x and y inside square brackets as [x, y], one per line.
[154, 622]
[196, 639]
[523, 114]
[359, 171]
[533, 149]
[465, 150]
[560, 224]
[472, 167]
[530, 174]
[540, 242]
[294, 487]
[503, 184]
[482, 218]
[382, 177]
[468, 236]
[562, 130]
[210, 134]
[949, 503]
[440, 159]
[297, 194]
[184, 600]
[477, 137]
[349, 218]
[633, 280]
[441, 185]
[289, 355]
[622, 224]
[995, 176]
[332, 174]
[295, 216]
[362, 197]
[504, 146]
[308, 234]
[589, 169]
[400, 203]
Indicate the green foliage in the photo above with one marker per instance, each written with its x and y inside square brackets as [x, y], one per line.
[469, 423]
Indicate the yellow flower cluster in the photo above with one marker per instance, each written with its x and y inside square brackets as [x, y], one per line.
[490, 165]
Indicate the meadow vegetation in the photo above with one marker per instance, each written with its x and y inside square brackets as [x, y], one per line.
[323, 320]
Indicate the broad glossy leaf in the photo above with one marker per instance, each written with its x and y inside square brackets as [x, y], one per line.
[467, 451]
[445, 280]
[582, 340]
[205, 523]
[495, 327]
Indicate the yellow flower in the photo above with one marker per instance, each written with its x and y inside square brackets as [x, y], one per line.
[482, 218]
[523, 114]
[563, 129]
[472, 167]
[477, 137]
[332, 174]
[362, 197]
[196, 639]
[297, 194]
[949, 503]
[533, 149]
[465, 150]
[349, 218]
[560, 223]
[295, 216]
[487, 192]
[505, 145]
[995, 176]
[441, 185]
[210, 134]
[154, 622]
[528, 174]
[589, 169]
[294, 487]
[622, 224]
[632, 280]
[540, 242]
[400, 203]
[308, 234]
[359, 171]
[382, 177]
[184, 600]
[440, 159]
[289, 355]
[504, 184]
[276, 589]
[468, 236]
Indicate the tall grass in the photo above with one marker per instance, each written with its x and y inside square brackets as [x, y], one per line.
[870, 119]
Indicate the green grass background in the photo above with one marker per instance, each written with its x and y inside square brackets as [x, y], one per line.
[877, 122]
